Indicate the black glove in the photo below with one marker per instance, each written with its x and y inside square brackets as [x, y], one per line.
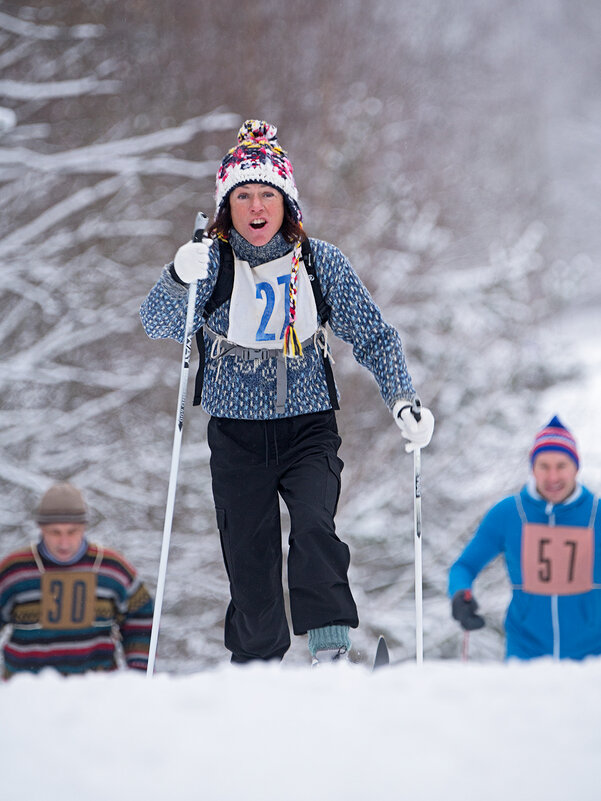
[464, 608]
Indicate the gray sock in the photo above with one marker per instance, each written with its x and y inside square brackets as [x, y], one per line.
[329, 637]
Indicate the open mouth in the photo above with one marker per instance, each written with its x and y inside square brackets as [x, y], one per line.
[258, 224]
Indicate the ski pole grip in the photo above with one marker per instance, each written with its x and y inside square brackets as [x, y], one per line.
[199, 226]
[416, 408]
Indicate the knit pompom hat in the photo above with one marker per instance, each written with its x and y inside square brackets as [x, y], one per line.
[62, 503]
[555, 437]
[258, 159]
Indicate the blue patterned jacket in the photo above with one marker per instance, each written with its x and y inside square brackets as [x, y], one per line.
[246, 390]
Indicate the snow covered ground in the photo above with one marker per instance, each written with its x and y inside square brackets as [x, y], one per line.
[448, 730]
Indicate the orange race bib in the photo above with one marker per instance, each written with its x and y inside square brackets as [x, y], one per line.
[68, 599]
[557, 560]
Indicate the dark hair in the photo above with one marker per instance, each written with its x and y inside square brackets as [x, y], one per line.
[291, 229]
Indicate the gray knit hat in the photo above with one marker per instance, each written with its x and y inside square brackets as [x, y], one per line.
[62, 503]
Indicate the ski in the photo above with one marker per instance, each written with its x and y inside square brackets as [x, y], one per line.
[382, 655]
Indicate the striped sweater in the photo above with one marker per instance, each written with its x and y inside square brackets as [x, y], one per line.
[68, 616]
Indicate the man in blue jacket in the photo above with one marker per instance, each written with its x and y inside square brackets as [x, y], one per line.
[550, 536]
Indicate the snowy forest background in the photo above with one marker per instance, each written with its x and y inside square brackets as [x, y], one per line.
[450, 149]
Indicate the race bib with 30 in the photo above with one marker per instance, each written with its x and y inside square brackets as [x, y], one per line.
[68, 599]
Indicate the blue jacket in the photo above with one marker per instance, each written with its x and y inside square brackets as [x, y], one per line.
[235, 389]
[563, 626]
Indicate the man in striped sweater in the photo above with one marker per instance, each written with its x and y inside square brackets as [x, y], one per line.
[68, 600]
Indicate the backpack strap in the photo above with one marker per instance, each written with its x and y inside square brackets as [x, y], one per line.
[323, 312]
[225, 280]
[223, 291]
[36, 556]
[198, 381]
[594, 511]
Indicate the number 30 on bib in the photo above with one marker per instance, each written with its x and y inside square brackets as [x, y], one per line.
[68, 599]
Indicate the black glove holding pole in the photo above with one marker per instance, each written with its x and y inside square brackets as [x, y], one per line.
[464, 607]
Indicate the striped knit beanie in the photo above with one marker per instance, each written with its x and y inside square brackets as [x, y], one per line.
[555, 437]
[62, 503]
[258, 159]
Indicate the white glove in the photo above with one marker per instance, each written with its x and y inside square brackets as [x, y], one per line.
[418, 432]
[191, 261]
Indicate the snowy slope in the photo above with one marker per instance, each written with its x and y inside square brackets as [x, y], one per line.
[79, 200]
[448, 730]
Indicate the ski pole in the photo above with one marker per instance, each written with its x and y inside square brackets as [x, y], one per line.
[417, 539]
[465, 651]
[199, 227]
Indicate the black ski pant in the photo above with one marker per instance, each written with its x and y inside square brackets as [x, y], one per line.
[253, 463]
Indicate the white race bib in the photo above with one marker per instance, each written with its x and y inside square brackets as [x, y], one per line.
[260, 304]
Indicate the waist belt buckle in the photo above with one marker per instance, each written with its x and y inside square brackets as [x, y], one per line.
[250, 354]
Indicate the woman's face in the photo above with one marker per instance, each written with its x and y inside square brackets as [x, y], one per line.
[257, 212]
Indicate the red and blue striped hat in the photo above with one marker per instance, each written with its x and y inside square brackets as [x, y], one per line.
[555, 437]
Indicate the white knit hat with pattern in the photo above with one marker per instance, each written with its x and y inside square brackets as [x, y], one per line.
[259, 159]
